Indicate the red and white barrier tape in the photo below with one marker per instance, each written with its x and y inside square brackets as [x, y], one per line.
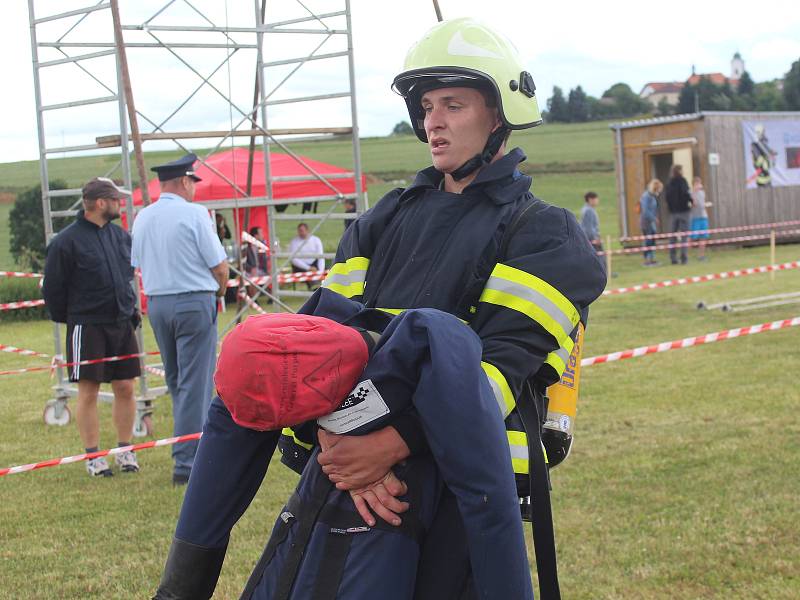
[21, 304]
[54, 462]
[4, 348]
[708, 338]
[656, 236]
[702, 278]
[252, 303]
[246, 237]
[614, 356]
[284, 278]
[693, 243]
[303, 276]
[263, 280]
[92, 361]
[19, 274]
[155, 370]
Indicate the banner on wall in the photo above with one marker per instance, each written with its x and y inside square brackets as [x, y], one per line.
[771, 153]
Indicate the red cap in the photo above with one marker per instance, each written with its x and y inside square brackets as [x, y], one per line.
[281, 369]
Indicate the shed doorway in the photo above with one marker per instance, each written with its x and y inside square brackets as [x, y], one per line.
[660, 167]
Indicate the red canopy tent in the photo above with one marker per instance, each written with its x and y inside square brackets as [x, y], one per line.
[233, 165]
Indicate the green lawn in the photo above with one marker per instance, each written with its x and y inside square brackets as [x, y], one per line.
[683, 481]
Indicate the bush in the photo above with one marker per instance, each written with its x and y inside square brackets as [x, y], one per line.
[14, 289]
[26, 223]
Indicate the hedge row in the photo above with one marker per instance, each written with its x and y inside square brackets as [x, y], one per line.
[14, 289]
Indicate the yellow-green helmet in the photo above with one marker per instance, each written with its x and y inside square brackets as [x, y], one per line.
[465, 53]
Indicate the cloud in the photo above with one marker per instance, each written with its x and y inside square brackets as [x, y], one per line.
[584, 42]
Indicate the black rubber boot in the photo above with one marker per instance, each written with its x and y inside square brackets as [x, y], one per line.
[191, 572]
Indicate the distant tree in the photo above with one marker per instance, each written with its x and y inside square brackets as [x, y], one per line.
[768, 97]
[708, 94]
[403, 128]
[664, 107]
[791, 87]
[626, 101]
[686, 99]
[578, 105]
[747, 86]
[557, 107]
[26, 223]
[720, 101]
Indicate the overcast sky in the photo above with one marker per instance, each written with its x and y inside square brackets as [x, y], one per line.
[594, 44]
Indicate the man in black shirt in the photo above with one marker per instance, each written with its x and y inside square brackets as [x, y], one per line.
[87, 285]
[679, 203]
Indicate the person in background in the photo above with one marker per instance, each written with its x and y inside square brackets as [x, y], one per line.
[87, 285]
[184, 268]
[222, 228]
[590, 222]
[699, 216]
[349, 207]
[256, 261]
[648, 218]
[679, 203]
[304, 244]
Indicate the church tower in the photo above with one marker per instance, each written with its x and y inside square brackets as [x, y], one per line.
[737, 66]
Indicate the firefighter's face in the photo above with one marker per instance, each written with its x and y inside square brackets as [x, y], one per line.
[458, 123]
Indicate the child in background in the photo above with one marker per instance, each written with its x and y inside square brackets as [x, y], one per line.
[590, 222]
[699, 217]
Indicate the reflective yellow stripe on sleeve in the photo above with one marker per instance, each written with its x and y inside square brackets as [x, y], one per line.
[500, 388]
[534, 297]
[348, 278]
[289, 432]
[558, 358]
[518, 444]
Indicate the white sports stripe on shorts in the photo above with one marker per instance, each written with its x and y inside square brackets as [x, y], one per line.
[76, 351]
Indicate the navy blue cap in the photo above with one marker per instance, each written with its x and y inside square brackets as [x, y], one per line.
[183, 167]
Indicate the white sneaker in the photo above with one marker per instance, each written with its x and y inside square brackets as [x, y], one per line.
[98, 467]
[127, 462]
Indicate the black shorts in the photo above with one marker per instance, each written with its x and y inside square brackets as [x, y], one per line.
[85, 342]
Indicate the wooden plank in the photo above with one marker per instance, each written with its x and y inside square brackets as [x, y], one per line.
[110, 141]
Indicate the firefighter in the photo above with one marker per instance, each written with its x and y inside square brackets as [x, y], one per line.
[469, 238]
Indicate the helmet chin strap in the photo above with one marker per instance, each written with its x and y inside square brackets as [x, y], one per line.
[496, 139]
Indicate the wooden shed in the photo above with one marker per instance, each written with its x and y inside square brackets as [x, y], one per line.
[713, 146]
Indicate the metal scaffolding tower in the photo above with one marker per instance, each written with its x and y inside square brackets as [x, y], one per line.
[111, 54]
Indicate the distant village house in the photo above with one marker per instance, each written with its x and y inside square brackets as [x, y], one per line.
[656, 91]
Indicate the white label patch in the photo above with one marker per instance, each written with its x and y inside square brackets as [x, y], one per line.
[363, 405]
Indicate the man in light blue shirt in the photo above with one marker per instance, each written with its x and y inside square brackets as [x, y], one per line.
[184, 268]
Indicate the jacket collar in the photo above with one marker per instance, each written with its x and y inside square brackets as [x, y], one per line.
[501, 180]
[81, 218]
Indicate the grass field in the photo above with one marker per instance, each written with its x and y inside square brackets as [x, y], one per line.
[683, 481]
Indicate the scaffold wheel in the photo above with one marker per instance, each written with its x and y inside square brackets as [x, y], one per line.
[56, 412]
[143, 426]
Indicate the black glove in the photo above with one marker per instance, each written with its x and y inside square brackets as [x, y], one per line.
[136, 319]
[191, 572]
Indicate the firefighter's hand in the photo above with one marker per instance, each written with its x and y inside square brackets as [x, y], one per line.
[381, 497]
[356, 461]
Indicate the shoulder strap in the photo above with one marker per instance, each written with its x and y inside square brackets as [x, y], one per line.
[519, 219]
[544, 542]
